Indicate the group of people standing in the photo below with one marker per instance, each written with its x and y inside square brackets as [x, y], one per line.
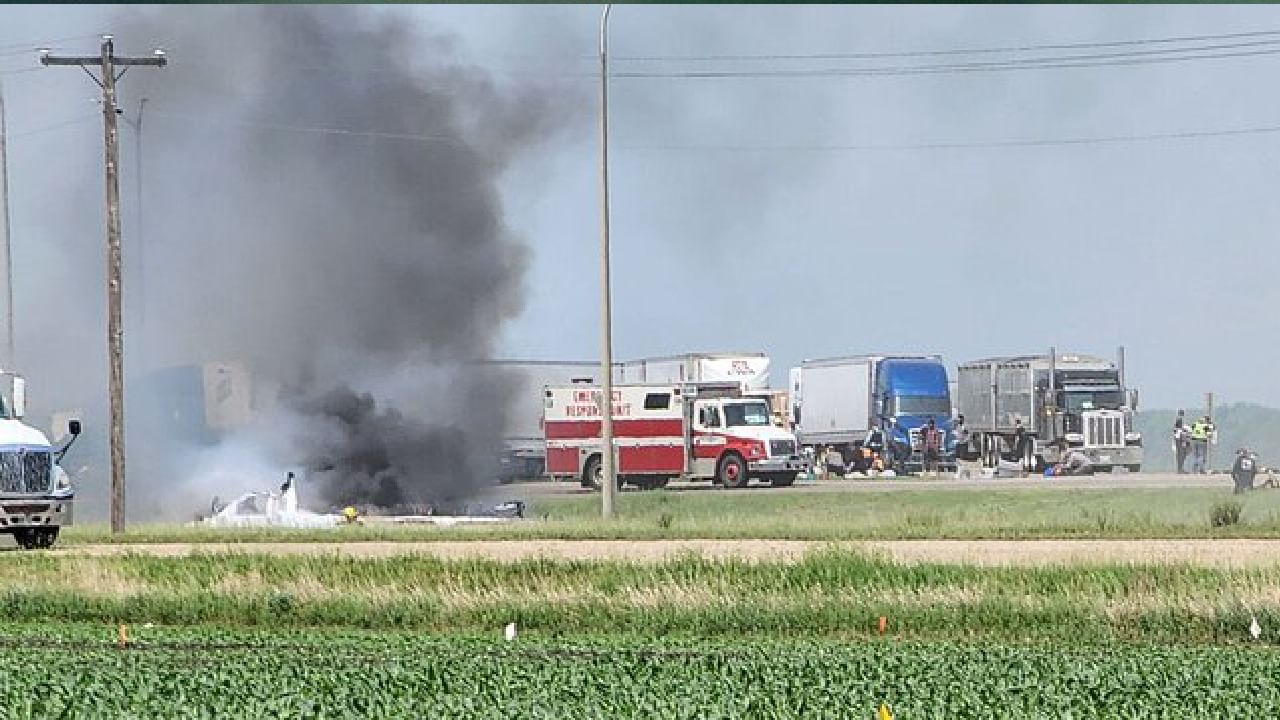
[1192, 440]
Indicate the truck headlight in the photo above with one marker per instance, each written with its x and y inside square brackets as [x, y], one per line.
[1074, 437]
[1133, 438]
[62, 481]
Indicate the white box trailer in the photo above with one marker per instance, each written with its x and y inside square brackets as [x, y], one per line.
[833, 400]
[750, 370]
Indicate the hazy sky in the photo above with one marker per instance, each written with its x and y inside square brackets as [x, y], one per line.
[737, 226]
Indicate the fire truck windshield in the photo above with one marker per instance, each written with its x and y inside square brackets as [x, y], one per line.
[746, 413]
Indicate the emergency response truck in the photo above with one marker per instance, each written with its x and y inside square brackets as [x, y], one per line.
[690, 431]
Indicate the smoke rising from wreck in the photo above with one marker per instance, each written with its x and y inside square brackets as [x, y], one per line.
[330, 215]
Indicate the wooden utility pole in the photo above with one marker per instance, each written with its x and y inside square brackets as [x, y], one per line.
[107, 62]
[608, 485]
[9, 361]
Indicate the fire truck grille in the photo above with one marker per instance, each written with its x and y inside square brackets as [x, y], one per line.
[25, 471]
[782, 448]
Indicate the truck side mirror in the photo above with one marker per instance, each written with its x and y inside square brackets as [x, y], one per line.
[19, 389]
[1133, 400]
[73, 427]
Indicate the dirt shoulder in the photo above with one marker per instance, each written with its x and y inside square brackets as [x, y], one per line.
[1209, 553]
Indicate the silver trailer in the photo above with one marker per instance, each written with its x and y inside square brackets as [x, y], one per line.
[524, 450]
[750, 370]
[1062, 401]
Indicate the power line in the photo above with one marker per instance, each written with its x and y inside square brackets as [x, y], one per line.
[53, 126]
[942, 145]
[312, 130]
[954, 51]
[36, 45]
[889, 71]
[1041, 142]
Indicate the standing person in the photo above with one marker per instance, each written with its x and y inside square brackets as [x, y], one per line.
[931, 443]
[1181, 442]
[1020, 444]
[1243, 471]
[873, 444]
[893, 451]
[1200, 432]
[962, 438]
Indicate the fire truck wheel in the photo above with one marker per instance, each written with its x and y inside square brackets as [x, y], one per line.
[592, 474]
[732, 472]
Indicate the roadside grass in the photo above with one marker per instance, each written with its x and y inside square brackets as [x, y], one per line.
[833, 594]
[914, 513]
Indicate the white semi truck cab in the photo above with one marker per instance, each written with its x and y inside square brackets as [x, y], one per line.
[35, 492]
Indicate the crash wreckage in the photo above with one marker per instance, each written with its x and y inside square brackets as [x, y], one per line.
[280, 510]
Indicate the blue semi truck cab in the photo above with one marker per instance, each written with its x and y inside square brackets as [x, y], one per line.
[835, 402]
[910, 391]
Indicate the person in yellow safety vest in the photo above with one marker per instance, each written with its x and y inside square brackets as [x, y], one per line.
[1202, 431]
[350, 515]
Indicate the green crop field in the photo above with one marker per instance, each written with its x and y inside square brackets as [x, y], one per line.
[249, 634]
[77, 672]
[863, 514]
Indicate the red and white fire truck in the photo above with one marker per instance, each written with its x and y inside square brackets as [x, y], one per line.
[691, 431]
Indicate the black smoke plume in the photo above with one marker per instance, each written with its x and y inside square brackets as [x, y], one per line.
[324, 206]
[384, 458]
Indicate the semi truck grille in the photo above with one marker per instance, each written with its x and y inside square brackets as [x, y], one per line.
[782, 448]
[1104, 431]
[25, 471]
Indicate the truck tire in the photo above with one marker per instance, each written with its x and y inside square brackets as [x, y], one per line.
[643, 482]
[732, 471]
[782, 479]
[33, 538]
[592, 472]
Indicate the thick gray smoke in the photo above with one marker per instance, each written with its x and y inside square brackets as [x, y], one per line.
[323, 206]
